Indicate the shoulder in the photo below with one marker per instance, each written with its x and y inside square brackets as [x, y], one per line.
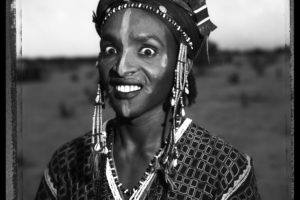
[198, 139]
[201, 140]
[215, 166]
[74, 155]
[70, 155]
[76, 145]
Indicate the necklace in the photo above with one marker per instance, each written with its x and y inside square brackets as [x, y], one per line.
[144, 180]
[139, 192]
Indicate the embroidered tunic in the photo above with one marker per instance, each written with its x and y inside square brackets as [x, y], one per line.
[208, 169]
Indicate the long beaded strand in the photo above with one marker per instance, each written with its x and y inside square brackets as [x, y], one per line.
[169, 160]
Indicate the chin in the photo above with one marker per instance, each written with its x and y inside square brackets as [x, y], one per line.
[123, 109]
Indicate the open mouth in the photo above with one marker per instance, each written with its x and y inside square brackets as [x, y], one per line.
[128, 88]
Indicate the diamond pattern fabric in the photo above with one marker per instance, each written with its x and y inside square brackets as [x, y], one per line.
[208, 169]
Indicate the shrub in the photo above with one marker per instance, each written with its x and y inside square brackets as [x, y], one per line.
[65, 110]
[233, 78]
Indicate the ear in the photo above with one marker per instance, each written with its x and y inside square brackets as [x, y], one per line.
[98, 61]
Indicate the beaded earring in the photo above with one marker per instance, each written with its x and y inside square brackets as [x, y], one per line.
[180, 87]
[98, 134]
[179, 90]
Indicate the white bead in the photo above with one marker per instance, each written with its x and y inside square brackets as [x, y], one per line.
[186, 90]
[182, 112]
[174, 163]
[97, 147]
[105, 150]
[172, 102]
[97, 100]
[162, 9]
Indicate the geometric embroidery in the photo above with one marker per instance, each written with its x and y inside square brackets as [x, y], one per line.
[239, 182]
[207, 168]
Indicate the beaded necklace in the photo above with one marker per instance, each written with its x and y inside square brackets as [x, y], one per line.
[147, 177]
[140, 191]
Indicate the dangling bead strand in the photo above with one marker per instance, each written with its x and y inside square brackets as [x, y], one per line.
[98, 146]
[169, 159]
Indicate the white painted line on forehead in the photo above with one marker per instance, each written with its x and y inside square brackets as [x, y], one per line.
[125, 24]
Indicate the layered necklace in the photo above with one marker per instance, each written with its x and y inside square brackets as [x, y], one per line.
[140, 191]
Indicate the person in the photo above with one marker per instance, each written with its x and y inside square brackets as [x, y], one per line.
[150, 149]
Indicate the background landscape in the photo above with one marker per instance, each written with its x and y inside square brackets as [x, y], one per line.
[243, 93]
[243, 97]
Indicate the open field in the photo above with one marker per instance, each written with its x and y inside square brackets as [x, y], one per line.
[247, 108]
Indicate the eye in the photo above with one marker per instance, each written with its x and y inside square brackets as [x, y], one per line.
[147, 51]
[109, 50]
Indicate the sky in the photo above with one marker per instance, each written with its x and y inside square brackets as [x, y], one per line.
[64, 27]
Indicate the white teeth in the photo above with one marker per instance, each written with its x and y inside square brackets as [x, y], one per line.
[127, 88]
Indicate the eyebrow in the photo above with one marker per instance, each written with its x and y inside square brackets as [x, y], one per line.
[140, 38]
[147, 37]
[108, 37]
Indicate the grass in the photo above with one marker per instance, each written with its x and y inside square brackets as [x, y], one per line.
[252, 114]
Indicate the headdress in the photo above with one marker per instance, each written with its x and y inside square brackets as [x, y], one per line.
[190, 23]
[189, 19]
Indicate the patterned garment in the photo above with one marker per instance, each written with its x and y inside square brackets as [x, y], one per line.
[208, 169]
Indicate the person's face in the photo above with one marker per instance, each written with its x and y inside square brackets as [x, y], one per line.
[137, 61]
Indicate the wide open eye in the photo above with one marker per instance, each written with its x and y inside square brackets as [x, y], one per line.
[109, 50]
[147, 51]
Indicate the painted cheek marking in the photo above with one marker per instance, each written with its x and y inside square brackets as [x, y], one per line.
[164, 61]
[163, 64]
[125, 109]
[124, 32]
[148, 90]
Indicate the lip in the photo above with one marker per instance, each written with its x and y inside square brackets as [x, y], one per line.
[125, 81]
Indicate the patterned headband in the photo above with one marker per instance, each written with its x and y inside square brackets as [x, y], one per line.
[189, 18]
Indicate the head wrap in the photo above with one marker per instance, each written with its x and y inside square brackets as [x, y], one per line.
[188, 19]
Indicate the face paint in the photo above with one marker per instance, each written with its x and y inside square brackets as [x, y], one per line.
[164, 61]
[138, 57]
[125, 109]
[124, 32]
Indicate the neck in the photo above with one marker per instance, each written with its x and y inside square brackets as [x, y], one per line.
[142, 133]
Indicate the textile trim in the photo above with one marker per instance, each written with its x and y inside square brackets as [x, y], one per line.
[182, 129]
[49, 183]
[200, 9]
[240, 180]
[203, 21]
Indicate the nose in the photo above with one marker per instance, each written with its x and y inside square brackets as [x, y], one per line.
[126, 65]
